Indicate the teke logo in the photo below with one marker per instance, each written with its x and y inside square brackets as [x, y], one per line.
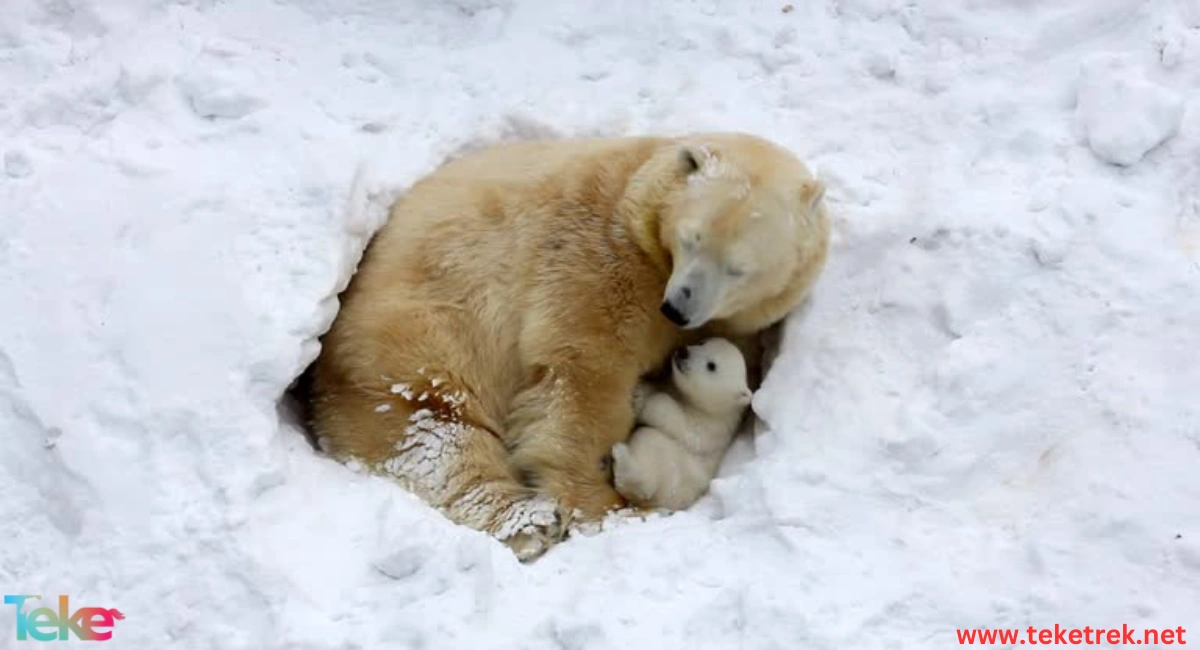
[44, 624]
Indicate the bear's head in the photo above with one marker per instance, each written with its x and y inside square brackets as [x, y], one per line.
[745, 229]
[711, 376]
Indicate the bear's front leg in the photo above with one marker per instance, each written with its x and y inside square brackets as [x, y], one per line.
[561, 430]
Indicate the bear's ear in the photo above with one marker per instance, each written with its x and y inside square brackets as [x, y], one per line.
[692, 158]
[745, 396]
[811, 193]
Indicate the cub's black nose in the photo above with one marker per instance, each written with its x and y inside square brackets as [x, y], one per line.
[673, 314]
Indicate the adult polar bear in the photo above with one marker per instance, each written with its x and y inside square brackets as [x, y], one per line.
[487, 349]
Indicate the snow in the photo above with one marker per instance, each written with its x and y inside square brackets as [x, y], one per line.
[987, 416]
[1122, 115]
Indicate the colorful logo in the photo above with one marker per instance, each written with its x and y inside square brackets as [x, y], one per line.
[45, 624]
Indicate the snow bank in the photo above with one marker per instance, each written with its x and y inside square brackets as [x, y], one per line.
[987, 416]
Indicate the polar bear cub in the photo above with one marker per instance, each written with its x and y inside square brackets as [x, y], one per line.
[669, 461]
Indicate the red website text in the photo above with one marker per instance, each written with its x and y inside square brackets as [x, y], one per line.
[1059, 635]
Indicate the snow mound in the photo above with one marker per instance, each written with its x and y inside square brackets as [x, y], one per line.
[1123, 115]
[219, 85]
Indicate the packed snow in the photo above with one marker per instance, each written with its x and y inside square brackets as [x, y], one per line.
[988, 415]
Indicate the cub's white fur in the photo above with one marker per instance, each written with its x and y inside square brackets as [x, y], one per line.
[672, 457]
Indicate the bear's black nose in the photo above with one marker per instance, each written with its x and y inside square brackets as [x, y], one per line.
[673, 314]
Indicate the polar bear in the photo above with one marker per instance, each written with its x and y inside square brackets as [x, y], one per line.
[669, 462]
[487, 348]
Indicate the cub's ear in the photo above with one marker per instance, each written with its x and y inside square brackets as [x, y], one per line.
[811, 193]
[745, 397]
[692, 158]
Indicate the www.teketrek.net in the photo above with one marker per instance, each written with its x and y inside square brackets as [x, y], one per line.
[1058, 635]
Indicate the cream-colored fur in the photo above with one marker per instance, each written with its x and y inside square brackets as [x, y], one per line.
[487, 348]
[669, 461]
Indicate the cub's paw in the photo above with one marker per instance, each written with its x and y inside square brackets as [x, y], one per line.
[624, 478]
[622, 464]
[531, 526]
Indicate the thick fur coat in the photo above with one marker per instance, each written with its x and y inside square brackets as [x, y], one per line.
[685, 427]
[486, 350]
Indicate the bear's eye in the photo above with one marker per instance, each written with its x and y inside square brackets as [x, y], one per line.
[712, 367]
[735, 271]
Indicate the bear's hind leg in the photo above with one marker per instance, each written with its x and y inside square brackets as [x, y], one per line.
[484, 494]
[562, 428]
[419, 438]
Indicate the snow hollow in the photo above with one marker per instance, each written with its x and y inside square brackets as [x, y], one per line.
[987, 417]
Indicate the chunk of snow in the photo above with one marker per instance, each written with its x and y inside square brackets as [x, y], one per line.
[1121, 113]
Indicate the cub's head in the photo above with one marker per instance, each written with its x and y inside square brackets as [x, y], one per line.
[711, 376]
[746, 221]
